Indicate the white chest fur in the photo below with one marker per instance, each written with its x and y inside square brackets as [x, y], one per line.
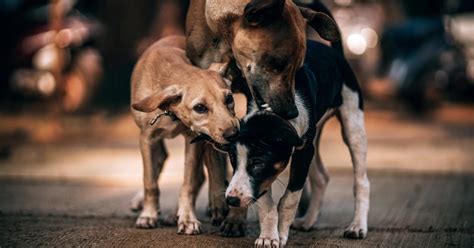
[300, 123]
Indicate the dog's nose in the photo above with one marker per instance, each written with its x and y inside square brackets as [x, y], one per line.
[291, 113]
[230, 133]
[233, 201]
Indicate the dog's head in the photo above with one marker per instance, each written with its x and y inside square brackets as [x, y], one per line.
[269, 45]
[258, 155]
[203, 101]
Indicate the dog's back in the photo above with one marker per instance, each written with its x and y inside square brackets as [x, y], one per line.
[324, 73]
[158, 65]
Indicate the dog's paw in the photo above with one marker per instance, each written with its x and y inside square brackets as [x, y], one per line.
[233, 229]
[267, 242]
[301, 224]
[218, 215]
[147, 220]
[189, 227]
[283, 240]
[136, 204]
[170, 220]
[355, 231]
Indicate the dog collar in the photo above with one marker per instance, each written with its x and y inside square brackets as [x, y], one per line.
[168, 113]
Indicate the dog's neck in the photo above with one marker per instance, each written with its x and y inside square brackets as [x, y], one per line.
[300, 123]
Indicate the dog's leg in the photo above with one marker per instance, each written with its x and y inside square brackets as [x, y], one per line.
[233, 219]
[154, 155]
[353, 132]
[234, 224]
[193, 179]
[268, 220]
[318, 179]
[300, 162]
[136, 204]
[216, 168]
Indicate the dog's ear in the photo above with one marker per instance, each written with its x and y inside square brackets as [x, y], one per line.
[162, 99]
[222, 69]
[261, 12]
[322, 23]
[285, 133]
[273, 129]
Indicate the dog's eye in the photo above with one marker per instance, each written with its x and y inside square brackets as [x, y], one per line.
[229, 99]
[200, 109]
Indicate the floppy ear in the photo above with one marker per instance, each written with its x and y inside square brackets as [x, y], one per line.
[286, 134]
[222, 69]
[273, 129]
[322, 23]
[162, 100]
[261, 12]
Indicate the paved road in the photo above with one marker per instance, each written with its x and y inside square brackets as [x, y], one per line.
[424, 210]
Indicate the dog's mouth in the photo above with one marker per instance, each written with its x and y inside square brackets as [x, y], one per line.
[262, 105]
[206, 138]
[201, 137]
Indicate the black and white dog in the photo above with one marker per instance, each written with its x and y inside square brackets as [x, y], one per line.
[325, 87]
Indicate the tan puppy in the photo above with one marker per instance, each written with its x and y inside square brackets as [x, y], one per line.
[201, 100]
[266, 38]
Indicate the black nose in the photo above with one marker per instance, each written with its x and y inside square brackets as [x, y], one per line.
[231, 133]
[291, 113]
[233, 201]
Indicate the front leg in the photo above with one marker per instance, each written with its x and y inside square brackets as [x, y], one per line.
[268, 219]
[288, 204]
[193, 179]
[216, 168]
[234, 224]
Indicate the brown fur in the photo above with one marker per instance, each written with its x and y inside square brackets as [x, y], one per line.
[268, 54]
[164, 79]
[164, 73]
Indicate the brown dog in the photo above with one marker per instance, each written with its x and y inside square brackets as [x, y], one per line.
[266, 38]
[201, 102]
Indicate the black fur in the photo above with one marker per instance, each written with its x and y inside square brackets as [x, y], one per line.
[271, 139]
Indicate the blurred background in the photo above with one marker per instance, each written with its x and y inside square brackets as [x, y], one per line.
[66, 66]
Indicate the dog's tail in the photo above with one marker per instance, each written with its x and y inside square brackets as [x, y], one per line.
[316, 5]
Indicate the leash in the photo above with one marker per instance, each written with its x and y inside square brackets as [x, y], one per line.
[168, 113]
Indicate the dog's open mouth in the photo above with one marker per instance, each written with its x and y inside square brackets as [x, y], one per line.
[206, 138]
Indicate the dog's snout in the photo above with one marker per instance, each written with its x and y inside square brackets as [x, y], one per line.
[290, 113]
[233, 201]
[231, 133]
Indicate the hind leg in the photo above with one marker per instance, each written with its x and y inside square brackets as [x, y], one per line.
[318, 179]
[354, 135]
[154, 155]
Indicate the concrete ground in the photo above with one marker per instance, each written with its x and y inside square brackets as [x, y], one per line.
[68, 182]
